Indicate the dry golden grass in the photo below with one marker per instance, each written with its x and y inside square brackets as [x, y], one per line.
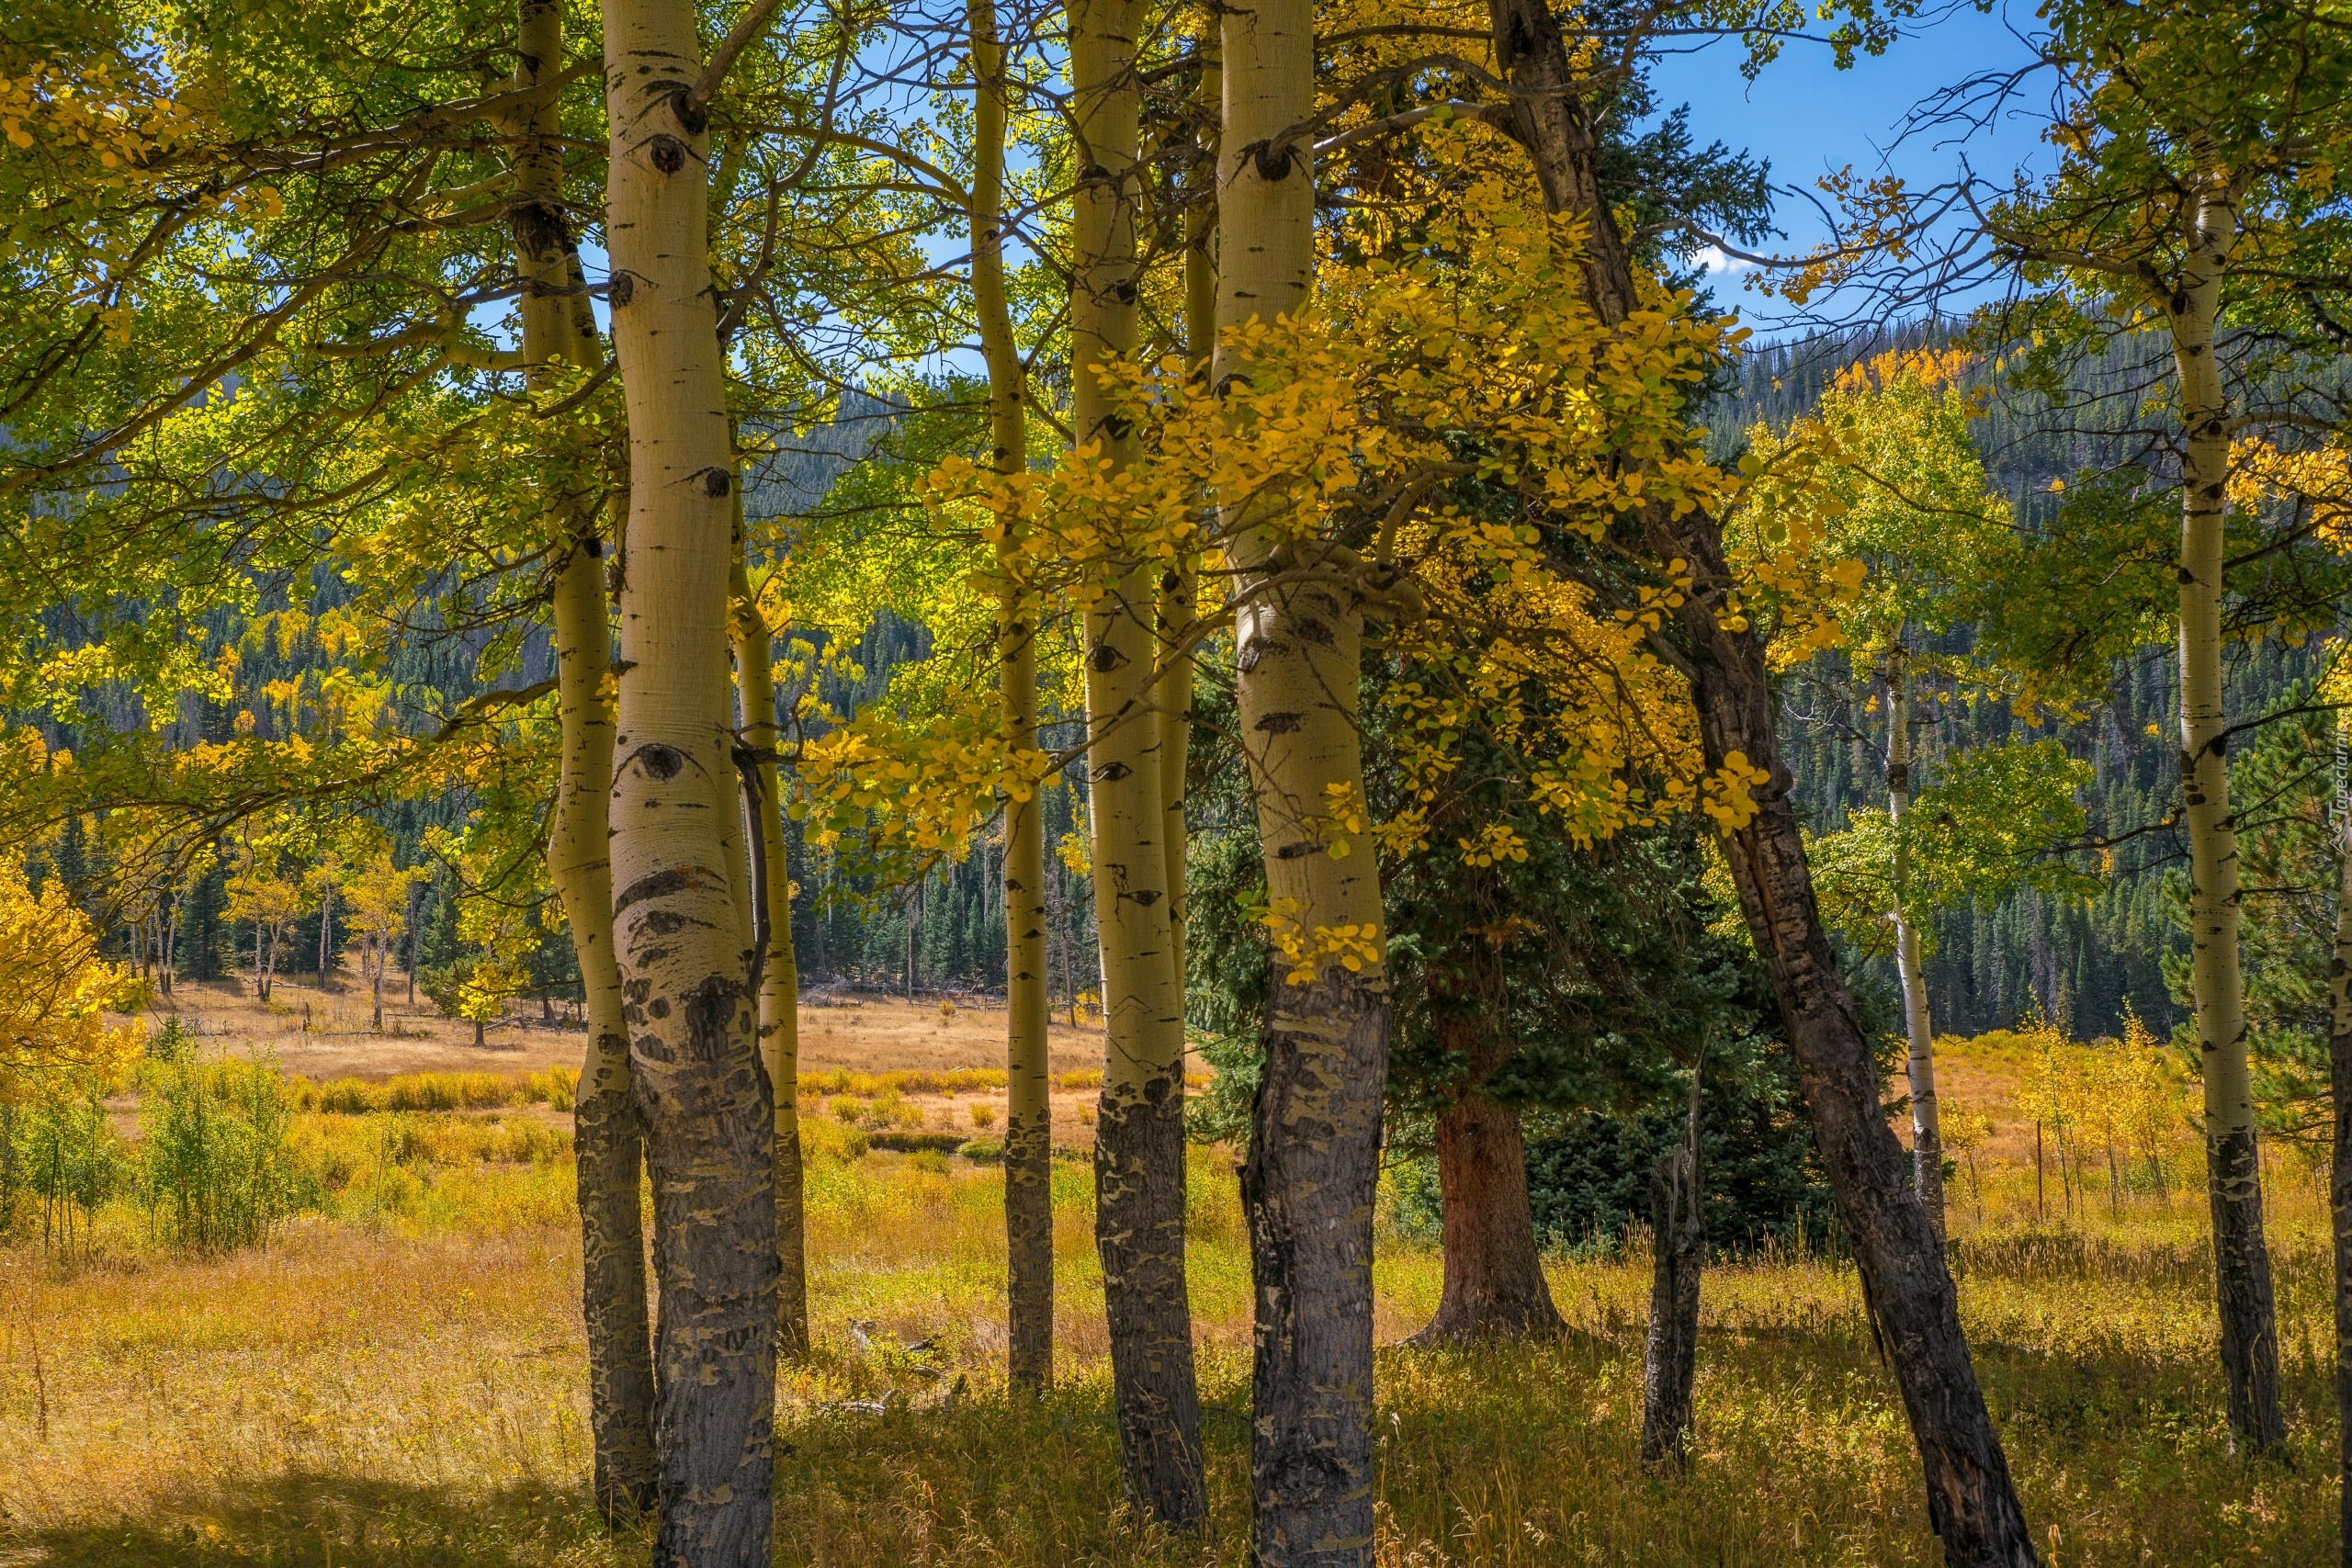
[861, 1046]
[405, 1391]
[402, 1386]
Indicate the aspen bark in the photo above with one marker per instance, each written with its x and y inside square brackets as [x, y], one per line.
[779, 1023]
[1926, 1124]
[1139, 1131]
[2339, 1175]
[1670, 1349]
[1180, 586]
[607, 1142]
[675, 847]
[2233, 1168]
[1972, 1501]
[1309, 1184]
[1028, 1122]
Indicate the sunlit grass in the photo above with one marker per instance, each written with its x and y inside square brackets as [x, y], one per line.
[402, 1384]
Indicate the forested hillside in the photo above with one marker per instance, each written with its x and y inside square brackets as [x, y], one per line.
[2079, 960]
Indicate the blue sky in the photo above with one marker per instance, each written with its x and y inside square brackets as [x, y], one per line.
[1808, 118]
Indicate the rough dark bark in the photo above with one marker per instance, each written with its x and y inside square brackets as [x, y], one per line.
[1139, 1233]
[1308, 1193]
[1972, 1503]
[609, 1151]
[1670, 1351]
[2242, 1280]
[1494, 1274]
[711, 1142]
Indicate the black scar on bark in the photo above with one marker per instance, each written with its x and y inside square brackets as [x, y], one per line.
[669, 153]
[1282, 722]
[659, 884]
[711, 1006]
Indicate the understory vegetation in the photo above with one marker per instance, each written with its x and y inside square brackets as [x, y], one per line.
[414, 1394]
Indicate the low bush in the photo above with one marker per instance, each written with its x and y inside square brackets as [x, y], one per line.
[217, 1163]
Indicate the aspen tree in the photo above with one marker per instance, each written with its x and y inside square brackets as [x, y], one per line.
[1139, 1131]
[1972, 1503]
[779, 968]
[677, 861]
[2233, 1173]
[1029, 1107]
[1679, 1236]
[1916, 526]
[2193, 196]
[607, 1142]
[1919, 1061]
[1179, 583]
[1308, 1183]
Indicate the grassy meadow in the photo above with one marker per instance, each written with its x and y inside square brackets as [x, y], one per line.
[396, 1377]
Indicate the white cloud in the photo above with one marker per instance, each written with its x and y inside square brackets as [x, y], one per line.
[1711, 258]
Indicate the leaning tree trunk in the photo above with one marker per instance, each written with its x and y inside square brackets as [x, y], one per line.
[2233, 1169]
[1139, 1131]
[1029, 1107]
[1309, 1184]
[780, 968]
[607, 1144]
[1972, 1503]
[1670, 1351]
[677, 856]
[1926, 1121]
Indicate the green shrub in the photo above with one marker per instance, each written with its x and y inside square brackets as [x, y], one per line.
[173, 1042]
[69, 1159]
[217, 1168]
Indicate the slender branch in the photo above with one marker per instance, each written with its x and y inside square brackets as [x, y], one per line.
[722, 59]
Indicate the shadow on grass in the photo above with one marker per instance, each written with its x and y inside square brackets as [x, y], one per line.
[309, 1521]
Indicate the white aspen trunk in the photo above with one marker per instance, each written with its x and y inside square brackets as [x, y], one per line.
[1926, 1125]
[1029, 1109]
[1309, 1184]
[780, 972]
[1139, 1131]
[608, 1144]
[676, 852]
[2241, 1257]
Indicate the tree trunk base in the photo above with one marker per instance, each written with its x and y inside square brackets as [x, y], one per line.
[1669, 1352]
[1494, 1275]
[2241, 1271]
